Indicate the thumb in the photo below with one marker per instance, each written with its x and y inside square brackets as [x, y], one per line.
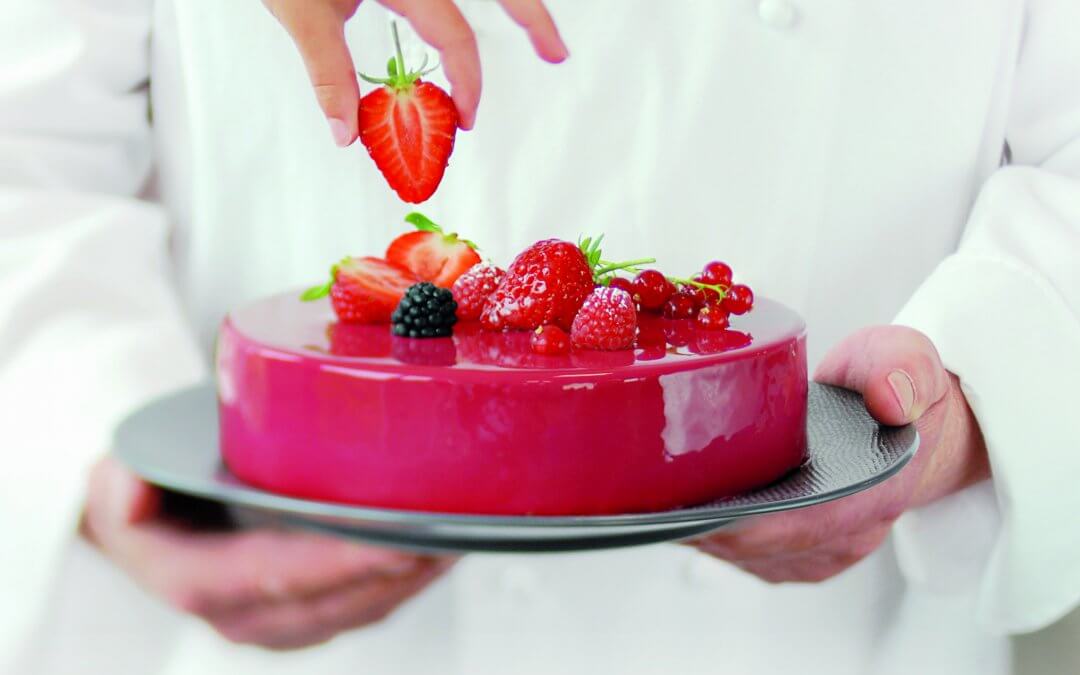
[318, 29]
[895, 368]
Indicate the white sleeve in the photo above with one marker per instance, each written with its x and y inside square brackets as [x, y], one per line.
[1004, 311]
[89, 325]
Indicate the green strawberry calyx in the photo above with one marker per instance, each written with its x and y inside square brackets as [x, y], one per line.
[604, 270]
[398, 77]
[425, 224]
[323, 290]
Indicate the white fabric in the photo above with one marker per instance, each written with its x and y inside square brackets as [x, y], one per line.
[837, 160]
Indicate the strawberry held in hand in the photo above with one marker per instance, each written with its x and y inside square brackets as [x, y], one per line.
[364, 290]
[408, 127]
[431, 254]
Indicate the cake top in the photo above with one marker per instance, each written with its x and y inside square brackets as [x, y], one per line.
[310, 330]
[432, 301]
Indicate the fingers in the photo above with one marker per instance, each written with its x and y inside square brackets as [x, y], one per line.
[897, 370]
[810, 565]
[318, 29]
[537, 22]
[440, 24]
[289, 625]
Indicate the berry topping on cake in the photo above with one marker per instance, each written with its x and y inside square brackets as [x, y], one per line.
[607, 321]
[680, 305]
[739, 299]
[550, 340]
[364, 290]
[408, 127]
[431, 254]
[652, 289]
[716, 273]
[425, 311]
[545, 284]
[712, 317]
[474, 287]
[622, 283]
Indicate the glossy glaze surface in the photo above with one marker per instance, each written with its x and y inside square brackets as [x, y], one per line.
[479, 424]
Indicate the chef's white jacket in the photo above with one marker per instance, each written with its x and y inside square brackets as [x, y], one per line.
[845, 157]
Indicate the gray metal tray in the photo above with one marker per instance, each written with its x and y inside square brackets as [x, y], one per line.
[172, 443]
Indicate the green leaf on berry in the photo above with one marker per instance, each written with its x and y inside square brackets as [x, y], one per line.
[425, 224]
[322, 290]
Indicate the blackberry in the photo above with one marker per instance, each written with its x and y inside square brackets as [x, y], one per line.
[425, 311]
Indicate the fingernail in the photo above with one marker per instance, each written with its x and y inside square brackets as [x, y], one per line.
[903, 388]
[340, 131]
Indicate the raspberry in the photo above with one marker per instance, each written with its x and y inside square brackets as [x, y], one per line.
[550, 340]
[607, 321]
[472, 289]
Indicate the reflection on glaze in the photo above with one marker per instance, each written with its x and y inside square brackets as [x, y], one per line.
[711, 404]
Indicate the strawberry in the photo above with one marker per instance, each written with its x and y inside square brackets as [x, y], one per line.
[546, 283]
[408, 127]
[472, 290]
[432, 254]
[607, 321]
[364, 290]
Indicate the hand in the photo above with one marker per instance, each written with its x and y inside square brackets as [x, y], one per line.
[902, 380]
[281, 590]
[318, 29]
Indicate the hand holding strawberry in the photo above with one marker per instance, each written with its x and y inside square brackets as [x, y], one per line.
[317, 28]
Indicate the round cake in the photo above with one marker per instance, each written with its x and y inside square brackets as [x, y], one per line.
[478, 423]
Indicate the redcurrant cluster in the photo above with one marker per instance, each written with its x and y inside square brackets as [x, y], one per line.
[709, 297]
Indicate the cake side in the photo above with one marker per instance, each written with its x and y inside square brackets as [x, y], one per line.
[605, 434]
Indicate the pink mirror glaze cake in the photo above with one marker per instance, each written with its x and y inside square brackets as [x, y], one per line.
[434, 381]
[480, 423]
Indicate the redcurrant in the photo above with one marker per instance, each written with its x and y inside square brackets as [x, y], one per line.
[550, 340]
[712, 317]
[623, 283]
[652, 289]
[739, 299]
[716, 273]
[680, 306]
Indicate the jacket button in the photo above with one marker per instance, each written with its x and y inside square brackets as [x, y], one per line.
[779, 14]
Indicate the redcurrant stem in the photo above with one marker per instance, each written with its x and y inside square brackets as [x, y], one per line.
[716, 288]
[629, 265]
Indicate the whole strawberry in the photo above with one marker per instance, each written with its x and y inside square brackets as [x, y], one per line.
[473, 288]
[408, 127]
[607, 321]
[546, 283]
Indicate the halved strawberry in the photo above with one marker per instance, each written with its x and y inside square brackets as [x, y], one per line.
[431, 254]
[408, 127]
[364, 290]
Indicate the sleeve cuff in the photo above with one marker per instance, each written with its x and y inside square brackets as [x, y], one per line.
[1014, 542]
